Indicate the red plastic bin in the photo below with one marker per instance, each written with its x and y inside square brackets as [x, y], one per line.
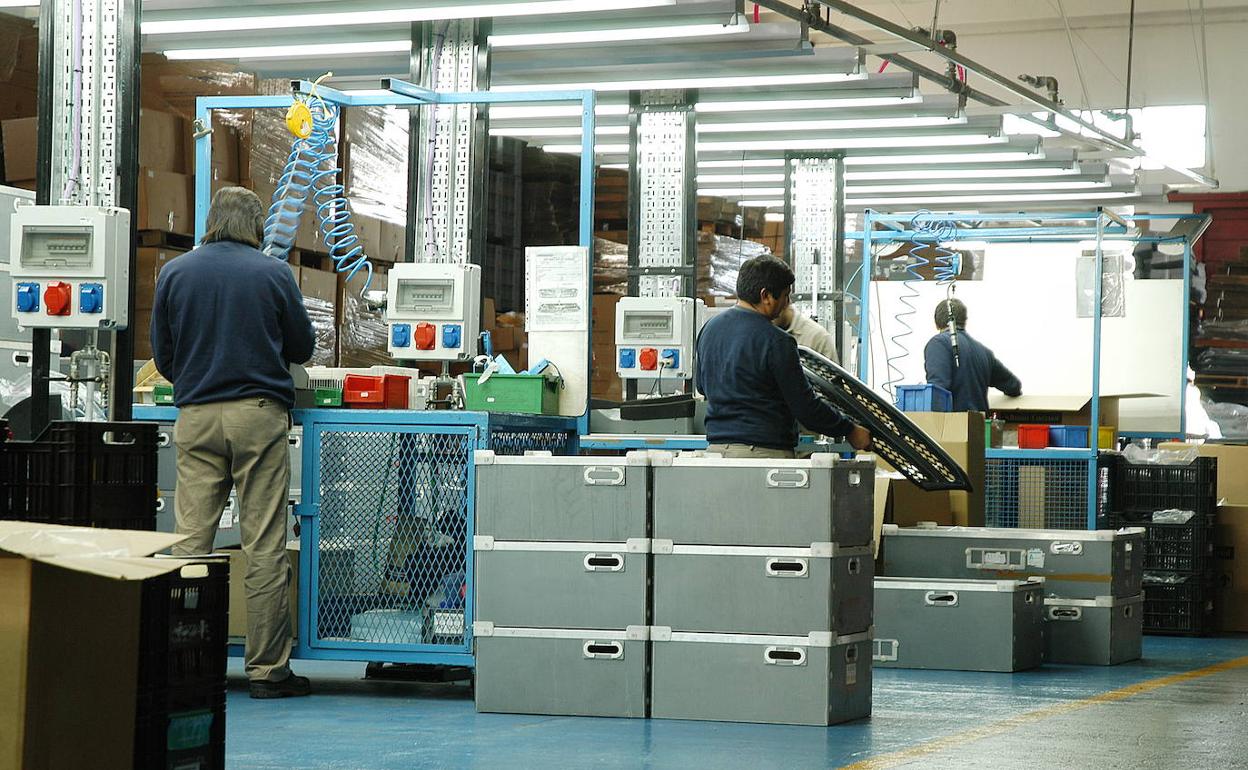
[1032, 436]
[381, 391]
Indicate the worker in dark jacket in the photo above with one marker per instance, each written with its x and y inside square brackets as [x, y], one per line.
[749, 371]
[963, 366]
[226, 324]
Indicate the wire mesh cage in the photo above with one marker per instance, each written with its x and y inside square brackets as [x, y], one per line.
[1036, 493]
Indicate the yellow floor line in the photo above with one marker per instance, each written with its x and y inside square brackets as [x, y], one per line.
[968, 736]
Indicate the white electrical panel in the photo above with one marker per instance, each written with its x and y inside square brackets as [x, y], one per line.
[654, 336]
[433, 311]
[70, 267]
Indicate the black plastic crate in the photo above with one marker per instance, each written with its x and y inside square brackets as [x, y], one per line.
[186, 739]
[1179, 547]
[185, 633]
[1182, 608]
[85, 474]
[1147, 487]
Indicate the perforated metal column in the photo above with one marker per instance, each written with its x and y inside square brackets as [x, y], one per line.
[450, 138]
[662, 204]
[815, 216]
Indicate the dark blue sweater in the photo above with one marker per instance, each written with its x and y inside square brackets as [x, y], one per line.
[226, 322]
[969, 380]
[756, 392]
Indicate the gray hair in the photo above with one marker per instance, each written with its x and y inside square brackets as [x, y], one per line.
[236, 214]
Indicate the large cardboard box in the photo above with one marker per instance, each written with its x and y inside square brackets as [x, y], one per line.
[162, 141]
[391, 242]
[238, 589]
[962, 436]
[141, 330]
[225, 150]
[1073, 409]
[21, 154]
[1231, 567]
[319, 284]
[70, 621]
[1232, 469]
[165, 202]
[149, 263]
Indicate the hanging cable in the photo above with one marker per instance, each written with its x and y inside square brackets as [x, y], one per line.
[1070, 38]
[1130, 55]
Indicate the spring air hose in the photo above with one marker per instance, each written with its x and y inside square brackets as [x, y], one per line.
[929, 232]
[311, 171]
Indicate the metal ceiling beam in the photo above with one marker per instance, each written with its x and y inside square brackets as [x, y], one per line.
[1008, 84]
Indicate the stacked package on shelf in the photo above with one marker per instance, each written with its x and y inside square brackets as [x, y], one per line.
[561, 571]
[719, 259]
[610, 267]
[1176, 504]
[1092, 583]
[762, 600]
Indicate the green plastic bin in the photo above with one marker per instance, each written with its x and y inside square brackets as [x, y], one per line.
[514, 393]
[162, 394]
[328, 397]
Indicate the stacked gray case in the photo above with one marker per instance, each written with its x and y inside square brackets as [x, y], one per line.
[762, 589]
[1104, 631]
[1075, 564]
[561, 577]
[965, 625]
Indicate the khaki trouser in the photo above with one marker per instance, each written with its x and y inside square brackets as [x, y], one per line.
[756, 452]
[242, 444]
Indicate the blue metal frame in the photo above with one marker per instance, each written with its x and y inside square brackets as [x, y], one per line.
[1096, 225]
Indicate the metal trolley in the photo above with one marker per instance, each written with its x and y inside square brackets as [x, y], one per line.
[386, 525]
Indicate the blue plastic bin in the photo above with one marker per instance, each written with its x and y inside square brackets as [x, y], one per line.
[923, 398]
[1069, 436]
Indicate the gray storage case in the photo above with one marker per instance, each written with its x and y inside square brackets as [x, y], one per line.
[818, 679]
[961, 625]
[573, 672]
[542, 497]
[770, 590]
[561, 585]
[1104, 631]
[1078, 564]
[710, 500]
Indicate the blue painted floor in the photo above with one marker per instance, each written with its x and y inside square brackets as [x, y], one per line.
[920, 719]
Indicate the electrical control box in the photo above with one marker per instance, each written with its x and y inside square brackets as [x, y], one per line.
[433, 311]
[70, 267]
[654, 337]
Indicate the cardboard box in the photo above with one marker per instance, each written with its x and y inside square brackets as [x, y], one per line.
[163, 137]
[489, 315]
[165, 202]
[238, 591]
[319, 284]
[150, 262]
[1075, 409]
[70, 622]
[391, 242]
[962, 436]
[225, 150]
[21, 152]
[141, 330]
[1231, 567]
[368, 230]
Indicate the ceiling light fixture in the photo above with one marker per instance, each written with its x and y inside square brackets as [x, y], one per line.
[805, 104]
[828, 125]
[617, 35]
[439, 12]
[292, 51]
[727, 81]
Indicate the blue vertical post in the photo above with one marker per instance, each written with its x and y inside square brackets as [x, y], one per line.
[864, 301]
[203, 169]
[588, 128]
[1094, 421]
[1187, 341]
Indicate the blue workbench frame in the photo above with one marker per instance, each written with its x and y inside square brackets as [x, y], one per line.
[1097, 225]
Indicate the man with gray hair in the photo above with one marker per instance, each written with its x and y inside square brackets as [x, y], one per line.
[226, 324]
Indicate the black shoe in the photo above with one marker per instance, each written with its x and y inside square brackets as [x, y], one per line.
[290, 687]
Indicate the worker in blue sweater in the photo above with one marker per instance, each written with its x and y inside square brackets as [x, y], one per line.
[749, 371]
[961, 364]
[226, 324]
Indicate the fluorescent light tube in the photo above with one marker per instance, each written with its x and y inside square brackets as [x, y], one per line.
[739, 178]
[827, 125]
[617, 35]
[773, 216]
[442, 12]
[18, 3]
[740, 191]
[575, 149]
[526, 112]
[816, 143]
[972, 199]
[726, 81]
[969, 173]
[971, 186]
[559, 131]
[805, 104]
[292, 51]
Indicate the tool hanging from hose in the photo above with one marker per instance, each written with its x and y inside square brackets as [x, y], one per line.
[947, 262]
[311, 172]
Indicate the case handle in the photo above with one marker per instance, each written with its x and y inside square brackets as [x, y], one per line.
[788, 478]
[1066, 613]
[604, 476]
[160, 504]
[294, 439]
[1067, 548]
[118, 438]
[941, 598]
[854, 566]
[604, 562]
[784, 656]
[782, 567]
[164, 438]
[603, 650]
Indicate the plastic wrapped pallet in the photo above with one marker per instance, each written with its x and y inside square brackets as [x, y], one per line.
[362, 334]
[610, 267]
[321, 312]
[376, 175]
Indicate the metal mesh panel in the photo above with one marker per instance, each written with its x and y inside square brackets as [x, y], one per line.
[514, 442]
[393, 536]
[1034, 493]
